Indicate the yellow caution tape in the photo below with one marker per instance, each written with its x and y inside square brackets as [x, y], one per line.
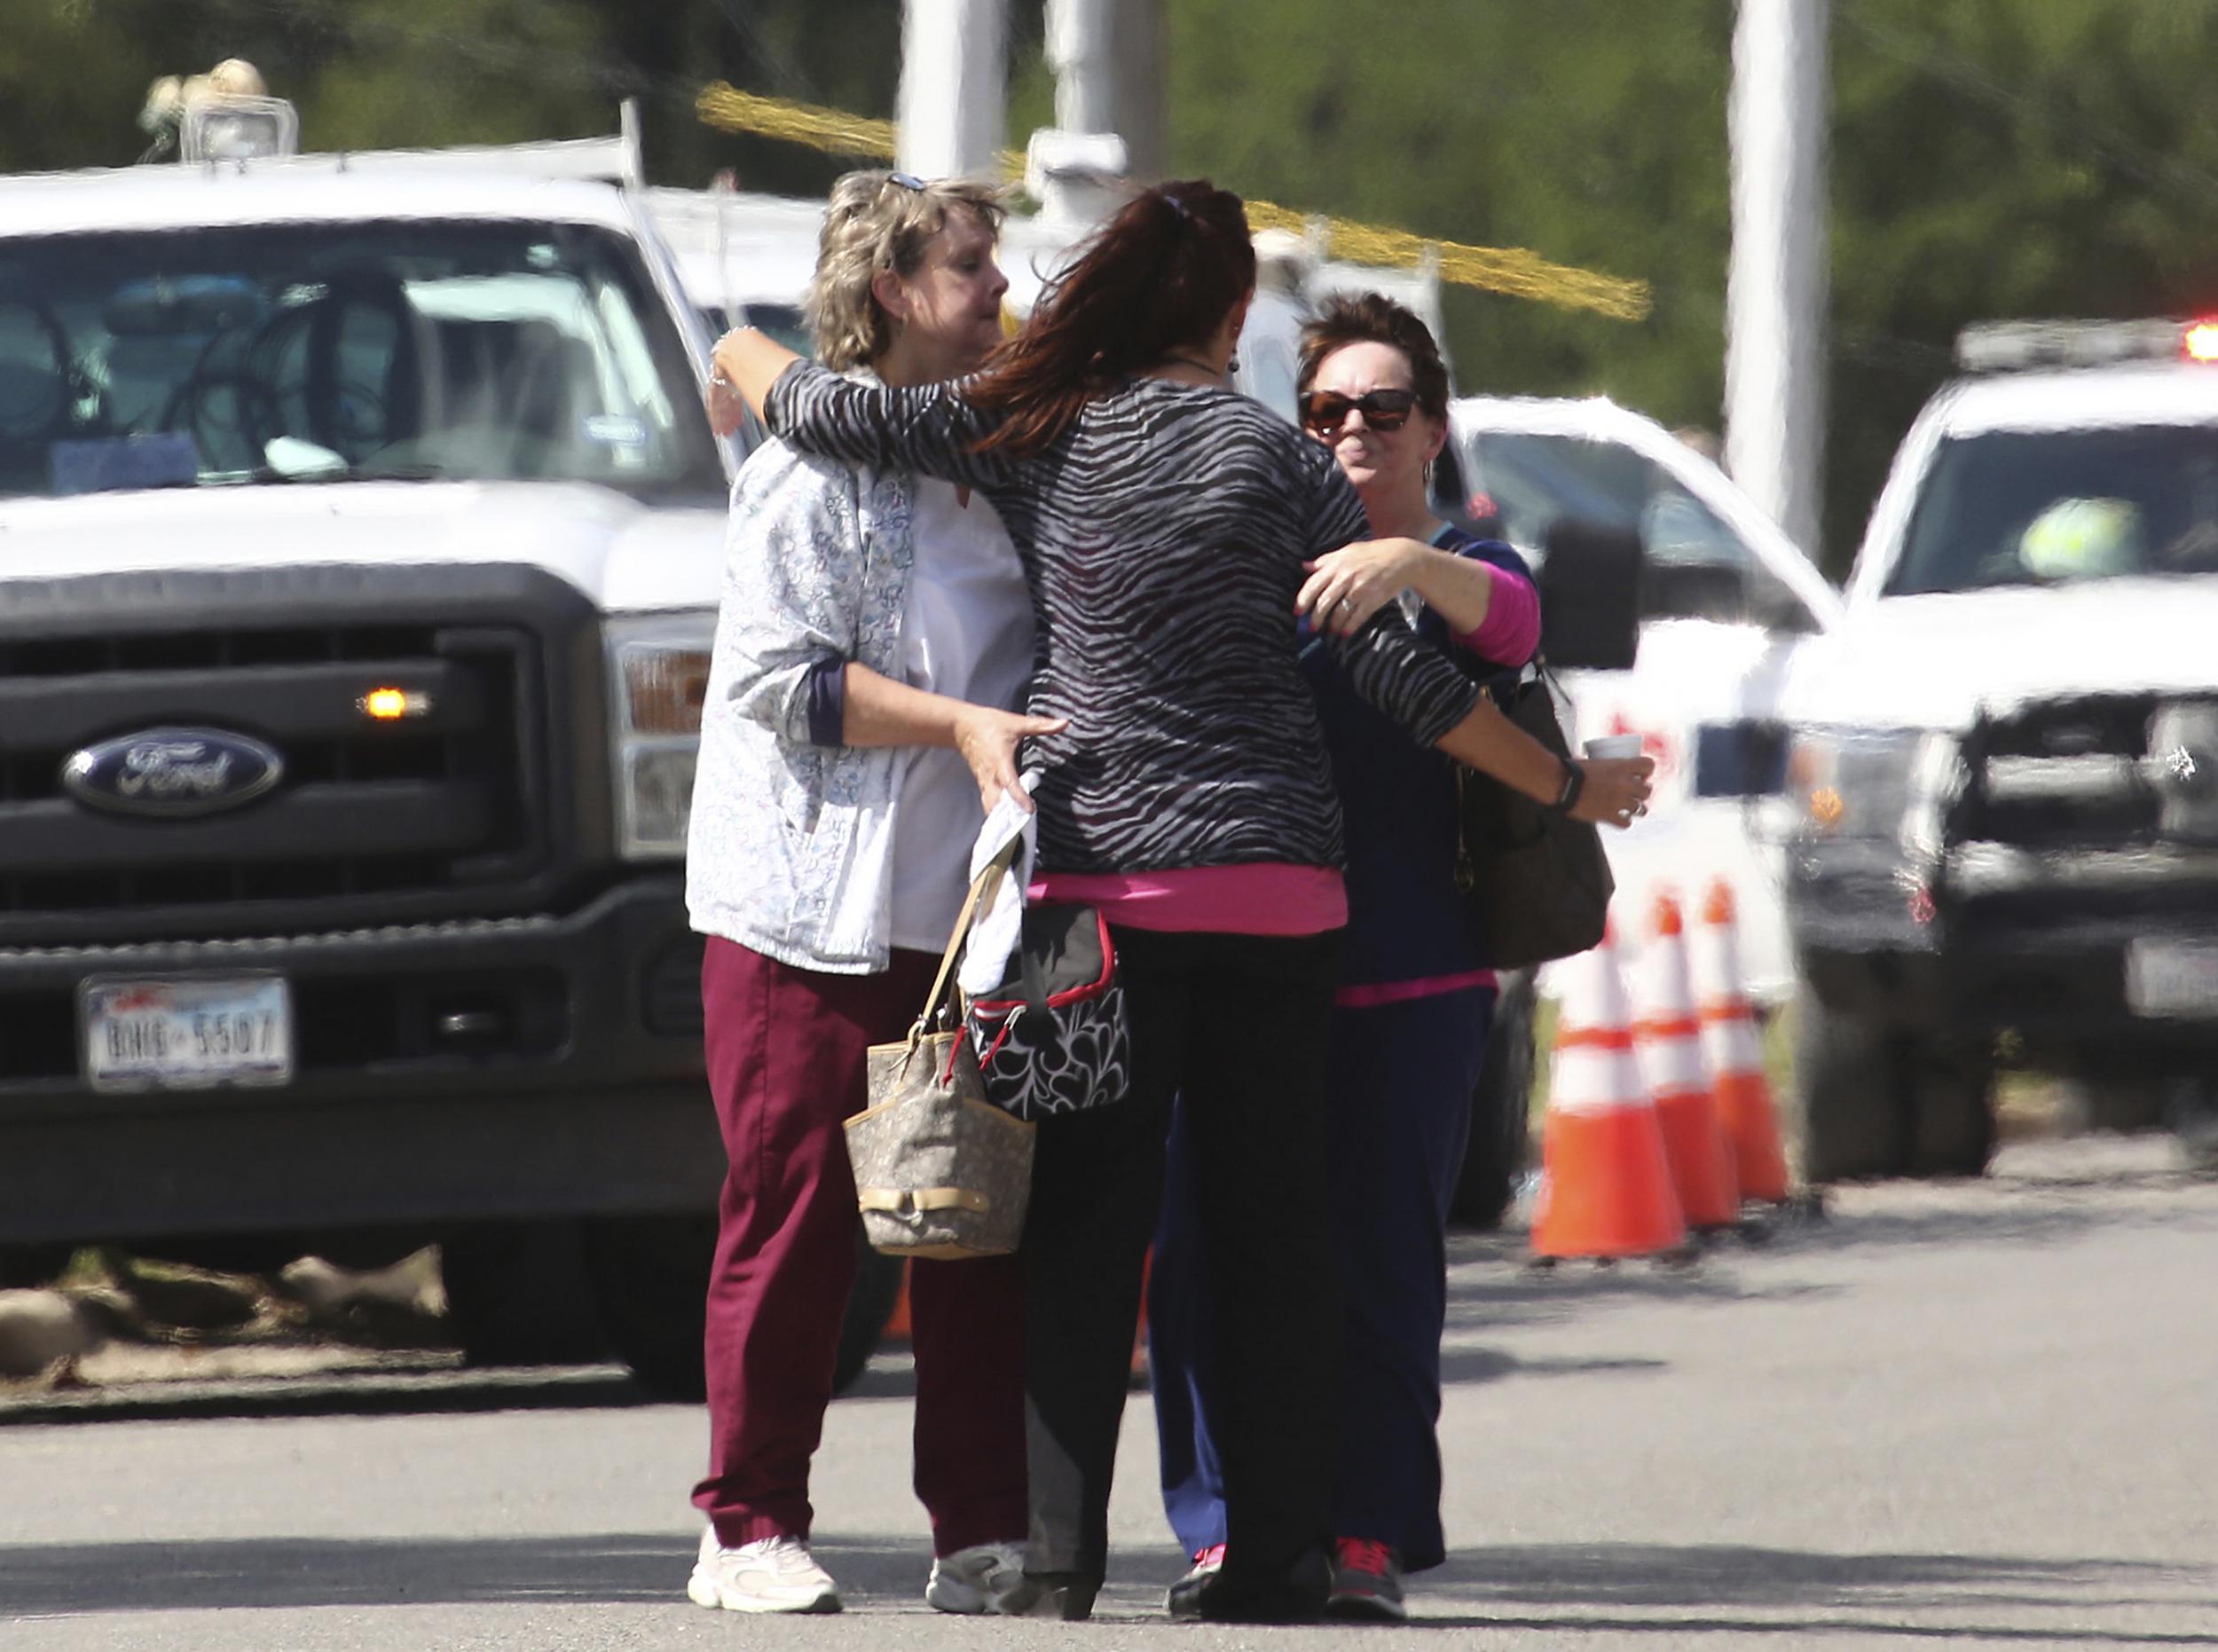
[732, 110]
[1510, 270]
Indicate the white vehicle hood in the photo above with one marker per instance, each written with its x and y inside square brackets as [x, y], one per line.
[626, 556]
[1936, 662]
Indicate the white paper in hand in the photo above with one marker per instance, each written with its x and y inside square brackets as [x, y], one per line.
[994, 935]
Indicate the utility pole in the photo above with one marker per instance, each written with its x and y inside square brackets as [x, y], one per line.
[1776, 290]
[955, 58]
[1081, 51]
[1138, 48]
[1076, 168]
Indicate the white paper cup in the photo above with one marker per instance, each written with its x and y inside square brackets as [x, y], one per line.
[1614, 745]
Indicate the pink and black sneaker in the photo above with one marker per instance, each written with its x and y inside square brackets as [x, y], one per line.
[1366, 1582]
[1184, 1599]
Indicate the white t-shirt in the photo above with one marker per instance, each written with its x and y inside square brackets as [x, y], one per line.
[966, 633]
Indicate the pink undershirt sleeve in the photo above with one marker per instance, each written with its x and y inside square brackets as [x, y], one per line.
[1510, 633]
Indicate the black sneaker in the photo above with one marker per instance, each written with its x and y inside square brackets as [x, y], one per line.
[1366, 1582]
[1293, 1595]
[1184, 1599]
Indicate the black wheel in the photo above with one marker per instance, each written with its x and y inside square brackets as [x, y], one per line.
[870, 1305]
[2193, 1117]
[1850, 1092]
[1876, 1102]
[519, 1294]
[651, 1276]
[2120, 1102]
[1500, 1109]
[1952, 1100]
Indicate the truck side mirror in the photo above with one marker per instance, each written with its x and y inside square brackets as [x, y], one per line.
[1742, 759]
[1589, 595]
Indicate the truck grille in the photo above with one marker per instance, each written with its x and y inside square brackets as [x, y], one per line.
[2062, 774]
[448, 814]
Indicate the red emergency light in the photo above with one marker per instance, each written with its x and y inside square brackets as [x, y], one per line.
[2199, 341]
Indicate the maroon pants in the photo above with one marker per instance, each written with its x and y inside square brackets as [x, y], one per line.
[785, 1056]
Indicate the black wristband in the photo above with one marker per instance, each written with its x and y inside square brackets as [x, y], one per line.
[1573, 783]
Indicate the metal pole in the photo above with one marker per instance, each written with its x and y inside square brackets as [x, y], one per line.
[1081, 42]
[953, 95]
[1140, 52]
[1776, 290]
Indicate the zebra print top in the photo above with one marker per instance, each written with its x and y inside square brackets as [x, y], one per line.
[1163, 537]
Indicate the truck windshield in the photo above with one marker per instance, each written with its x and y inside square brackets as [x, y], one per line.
[276, 353]
[2023, 507]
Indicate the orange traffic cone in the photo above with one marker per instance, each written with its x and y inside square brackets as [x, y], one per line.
[1606, 1185]
[1668, 1035]
[897, 1328]
[1743, 1091]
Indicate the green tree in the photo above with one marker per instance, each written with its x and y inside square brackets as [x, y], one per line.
[1590, 131]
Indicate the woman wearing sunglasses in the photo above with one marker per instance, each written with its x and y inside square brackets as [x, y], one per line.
[1409, 1015]
[1165, 522]
[875, 629]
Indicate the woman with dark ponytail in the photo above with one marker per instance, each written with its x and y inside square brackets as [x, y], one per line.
[1164, 522]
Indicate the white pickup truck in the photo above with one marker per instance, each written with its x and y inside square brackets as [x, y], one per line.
[360, 535]
[2007, 758]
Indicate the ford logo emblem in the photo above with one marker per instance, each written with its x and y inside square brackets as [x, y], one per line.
[172, 772]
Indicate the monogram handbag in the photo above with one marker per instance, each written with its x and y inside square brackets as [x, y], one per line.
[1052, 1038]
[1536, 882]
[940, 1170]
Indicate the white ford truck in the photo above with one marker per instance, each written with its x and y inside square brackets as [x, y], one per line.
[2007, 758]
[360, 533]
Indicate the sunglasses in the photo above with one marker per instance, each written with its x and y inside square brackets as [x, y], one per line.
[1323, 412]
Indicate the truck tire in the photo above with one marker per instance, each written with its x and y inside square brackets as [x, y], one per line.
[1875, 1102]
[520, 1294]
[2193, 1118]
[1501, 1110]
[1850, 1094]
[870, 1306]
[652, 1278]
[2124, 1104]
[1951, 1095]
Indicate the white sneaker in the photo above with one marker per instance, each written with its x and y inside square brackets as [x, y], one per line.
[768, 1575]
[972, 1580]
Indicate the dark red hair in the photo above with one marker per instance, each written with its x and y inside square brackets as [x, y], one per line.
[1161, 275]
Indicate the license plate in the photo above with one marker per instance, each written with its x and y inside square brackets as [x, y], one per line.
[187, 1035]
[2177, 979]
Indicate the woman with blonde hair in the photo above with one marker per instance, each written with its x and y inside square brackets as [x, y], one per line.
[874, 631]
[1165, 522]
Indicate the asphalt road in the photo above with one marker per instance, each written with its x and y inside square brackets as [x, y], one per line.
[1980, 1412]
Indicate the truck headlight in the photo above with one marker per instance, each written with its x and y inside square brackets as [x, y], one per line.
[1873, 782]
[658, 668]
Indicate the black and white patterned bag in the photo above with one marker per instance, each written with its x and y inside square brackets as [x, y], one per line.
[1052, 1037]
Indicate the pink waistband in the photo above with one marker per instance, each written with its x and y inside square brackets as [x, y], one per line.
[1262, 897]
